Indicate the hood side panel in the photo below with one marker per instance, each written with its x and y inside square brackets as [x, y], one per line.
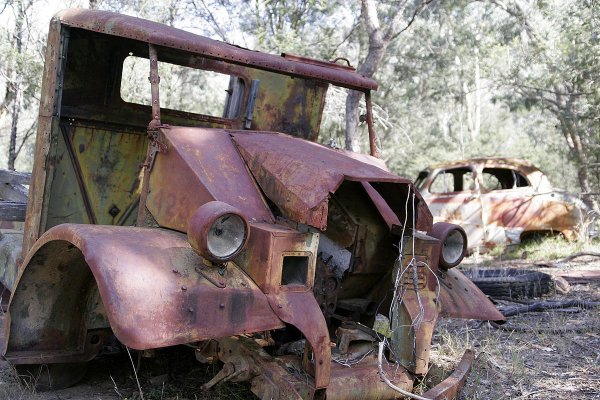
[200, 165]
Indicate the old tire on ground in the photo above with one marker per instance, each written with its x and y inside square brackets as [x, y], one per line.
[512, 283]
[51, 376]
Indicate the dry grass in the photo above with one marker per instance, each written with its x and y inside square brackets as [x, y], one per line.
[173, 374]
[539, 247]
[557, 357]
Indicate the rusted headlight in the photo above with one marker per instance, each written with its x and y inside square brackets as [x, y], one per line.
[218, 231]
[453, 243]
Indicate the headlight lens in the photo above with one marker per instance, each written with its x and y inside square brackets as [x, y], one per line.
[227, 235]
[453, 248]
[218, 231]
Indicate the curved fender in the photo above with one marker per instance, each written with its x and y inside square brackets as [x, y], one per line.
[460, 298]
[150, 285]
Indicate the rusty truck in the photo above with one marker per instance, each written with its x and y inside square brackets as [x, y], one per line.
[179, 213]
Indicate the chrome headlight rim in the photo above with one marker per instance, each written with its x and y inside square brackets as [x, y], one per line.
[453, 243]
[218, 231]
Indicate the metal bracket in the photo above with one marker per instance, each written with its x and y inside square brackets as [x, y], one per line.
[217, 275]
[250, 105]
[156, 146]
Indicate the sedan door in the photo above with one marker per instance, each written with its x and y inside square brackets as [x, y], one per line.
[453, 196]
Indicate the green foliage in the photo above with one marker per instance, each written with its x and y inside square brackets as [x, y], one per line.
[21, 47]
[314, 28]
[466, 79]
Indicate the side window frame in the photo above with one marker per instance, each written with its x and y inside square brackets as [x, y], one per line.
[455, 174]
[517, 179]
[231, 105]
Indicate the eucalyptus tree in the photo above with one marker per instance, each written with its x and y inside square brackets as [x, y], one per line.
[382, 25]
[556, 64]
[21, 49]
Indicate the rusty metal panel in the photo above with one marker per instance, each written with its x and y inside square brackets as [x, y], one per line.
[161, 35]
[414, 316]
[302, 311]
[288, 105]
[382, 206]
[298, 176]
[528, 211]
[46, 122]
[153, 293]
[200, 165]
[362, 380]
[449, 387]
[460, 298]
[268, 245]
[461, 208]
[96, 175]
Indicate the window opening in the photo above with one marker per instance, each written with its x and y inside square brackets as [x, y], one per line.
[421, 179]
[181, 88]
[502, 179]
[453, 180]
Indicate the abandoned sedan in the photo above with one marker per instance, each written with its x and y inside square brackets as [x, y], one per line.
[499, 201]
[208, 216]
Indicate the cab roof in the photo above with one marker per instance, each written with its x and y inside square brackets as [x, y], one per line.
[115, 24]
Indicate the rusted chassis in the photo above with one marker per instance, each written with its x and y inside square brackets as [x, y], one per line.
[146, 285]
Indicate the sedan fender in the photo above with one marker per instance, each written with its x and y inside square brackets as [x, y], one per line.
[147, 285]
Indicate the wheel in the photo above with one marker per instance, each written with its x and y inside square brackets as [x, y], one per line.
[51, 376]
[512, 283]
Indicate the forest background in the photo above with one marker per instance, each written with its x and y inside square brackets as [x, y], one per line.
[457, 79]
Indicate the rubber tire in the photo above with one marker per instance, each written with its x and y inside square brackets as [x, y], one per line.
[511, 283]
[46, 377]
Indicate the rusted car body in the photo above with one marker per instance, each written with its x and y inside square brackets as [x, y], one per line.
[235, 234]
[498, 201]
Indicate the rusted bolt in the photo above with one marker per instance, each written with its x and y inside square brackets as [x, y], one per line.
[244, 284]
[183, 288]
[221, 305]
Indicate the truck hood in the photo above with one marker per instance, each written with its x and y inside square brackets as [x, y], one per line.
[299, 176]
[295, 175]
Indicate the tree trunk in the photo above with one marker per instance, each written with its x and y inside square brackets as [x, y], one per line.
[562, 109]
[14, 84]
[16, 108]
[352, 121]
[379, 40]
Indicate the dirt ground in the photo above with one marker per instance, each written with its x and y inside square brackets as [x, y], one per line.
[553, 354]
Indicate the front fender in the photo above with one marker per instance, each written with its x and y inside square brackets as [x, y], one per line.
[460, 298]
[150, 284]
